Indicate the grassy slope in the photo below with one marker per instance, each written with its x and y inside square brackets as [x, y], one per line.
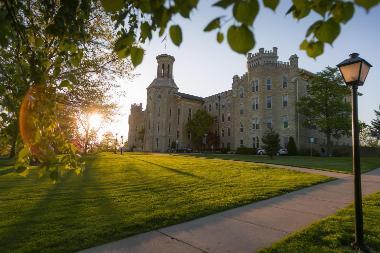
[340, 164]
[120, 196]
[335, 233]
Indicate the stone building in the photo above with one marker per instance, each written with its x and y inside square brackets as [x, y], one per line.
[264, 97]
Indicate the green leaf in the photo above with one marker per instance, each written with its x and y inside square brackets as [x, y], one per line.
[176, 34]
[272, 4]
[240, 38]
[220, 37]
[301, 9]
[224, 3]
[214, 24]
[367, 4]
[314, 27]
[66, 84]
[304, 45]
[246, 11]
[314, 49]
[328, 31]
[112, 5]
[145, 31]
[137, 55]
[343, 11]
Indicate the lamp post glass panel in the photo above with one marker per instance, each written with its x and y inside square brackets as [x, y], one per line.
[354, 71]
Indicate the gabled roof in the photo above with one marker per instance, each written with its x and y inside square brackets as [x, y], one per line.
[188, 96]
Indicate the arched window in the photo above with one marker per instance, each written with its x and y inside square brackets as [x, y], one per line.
[163, 70]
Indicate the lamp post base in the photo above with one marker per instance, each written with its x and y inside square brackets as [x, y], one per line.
[361, 248]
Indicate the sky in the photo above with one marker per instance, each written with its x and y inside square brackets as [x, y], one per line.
[203, 67]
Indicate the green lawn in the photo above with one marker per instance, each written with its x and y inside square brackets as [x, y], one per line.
[340, 164]
[335, 233]
[119, 196]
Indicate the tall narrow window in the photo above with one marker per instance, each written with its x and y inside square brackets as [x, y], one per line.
[209, 107]
[228, 117]
[257, 142]
[168, 70]
[269, 84]
[269, 123]
[241, 127]
[188, 135]
[157, 142]
[169, 127]
[255, 85]
[241, 143]
[255, 104]
[222, 117]
[228, 131]
[163, 70]
[269, 102]
[241, 110]
[158, 127]
[178, 113]
[241, 92]
[170, 112]
[285, 100]
[255, 124]
[189, 115]
[285, 121]
[284, 82]
[222, 132]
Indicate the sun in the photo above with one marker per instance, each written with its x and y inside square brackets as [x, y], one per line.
[95, 120]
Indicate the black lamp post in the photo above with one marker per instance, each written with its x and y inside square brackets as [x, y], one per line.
[354, 71]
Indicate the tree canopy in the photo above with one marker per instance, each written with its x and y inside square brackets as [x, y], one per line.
[271, 142]
[326, 107]
[199, 125]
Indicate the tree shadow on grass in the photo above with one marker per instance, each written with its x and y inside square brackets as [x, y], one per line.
[184, 173]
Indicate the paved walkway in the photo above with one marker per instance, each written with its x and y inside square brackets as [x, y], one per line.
[251, 227]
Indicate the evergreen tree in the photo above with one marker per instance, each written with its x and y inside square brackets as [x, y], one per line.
[271, 141]
[292, 148]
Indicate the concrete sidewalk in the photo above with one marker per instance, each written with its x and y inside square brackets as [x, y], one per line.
[251, 227]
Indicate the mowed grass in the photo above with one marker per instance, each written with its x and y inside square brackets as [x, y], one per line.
[119, 196]
[339, 164]
[335, 233]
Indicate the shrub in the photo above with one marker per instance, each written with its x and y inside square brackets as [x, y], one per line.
[224, 150]
[271, 142]
[246, 151]
[292, 148]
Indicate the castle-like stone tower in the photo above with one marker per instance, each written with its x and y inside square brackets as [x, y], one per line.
[263, 98]
[159, 109]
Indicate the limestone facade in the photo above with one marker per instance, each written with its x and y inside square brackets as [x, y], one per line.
[264, 97]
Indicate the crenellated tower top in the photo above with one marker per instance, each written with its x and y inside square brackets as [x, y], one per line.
[269, 57]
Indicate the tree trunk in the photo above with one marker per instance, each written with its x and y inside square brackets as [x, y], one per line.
[328, 146]
[12, 152]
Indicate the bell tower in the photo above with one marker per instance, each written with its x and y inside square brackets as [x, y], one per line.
[165, 66]
[161, 100]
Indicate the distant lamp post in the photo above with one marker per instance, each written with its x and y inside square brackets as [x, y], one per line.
[121, 147]
[354, 71]
[115, 144]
